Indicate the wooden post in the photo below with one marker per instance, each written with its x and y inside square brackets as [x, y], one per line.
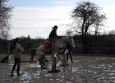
[54, 56]
[54, 70]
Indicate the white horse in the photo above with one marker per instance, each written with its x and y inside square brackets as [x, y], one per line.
[60, 46]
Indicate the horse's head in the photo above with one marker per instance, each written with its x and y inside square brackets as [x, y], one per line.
[64, 40]
[71, 42]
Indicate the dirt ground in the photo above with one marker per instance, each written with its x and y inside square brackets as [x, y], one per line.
[85, 69]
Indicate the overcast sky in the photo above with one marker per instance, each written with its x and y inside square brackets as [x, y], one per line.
[37, 17]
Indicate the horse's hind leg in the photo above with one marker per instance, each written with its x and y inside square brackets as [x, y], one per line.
[41, 59]
[42, 63]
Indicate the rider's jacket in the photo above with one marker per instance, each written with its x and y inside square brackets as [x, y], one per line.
[53, 34]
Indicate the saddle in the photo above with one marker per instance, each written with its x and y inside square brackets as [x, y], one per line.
[47, 44]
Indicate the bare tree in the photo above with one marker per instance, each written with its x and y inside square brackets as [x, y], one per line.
[5, 14]
[88, 18]
[112, 32]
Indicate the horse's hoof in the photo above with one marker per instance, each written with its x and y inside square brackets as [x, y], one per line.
[72, 62]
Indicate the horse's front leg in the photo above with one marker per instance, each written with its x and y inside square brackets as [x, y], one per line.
[71, 56]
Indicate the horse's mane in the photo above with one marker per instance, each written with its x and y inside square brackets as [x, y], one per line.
[61, 43]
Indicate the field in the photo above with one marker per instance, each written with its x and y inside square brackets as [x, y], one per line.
[85, 69]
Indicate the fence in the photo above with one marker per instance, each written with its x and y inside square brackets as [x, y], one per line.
[95, 50]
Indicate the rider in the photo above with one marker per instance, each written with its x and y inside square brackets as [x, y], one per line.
[53, 33]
